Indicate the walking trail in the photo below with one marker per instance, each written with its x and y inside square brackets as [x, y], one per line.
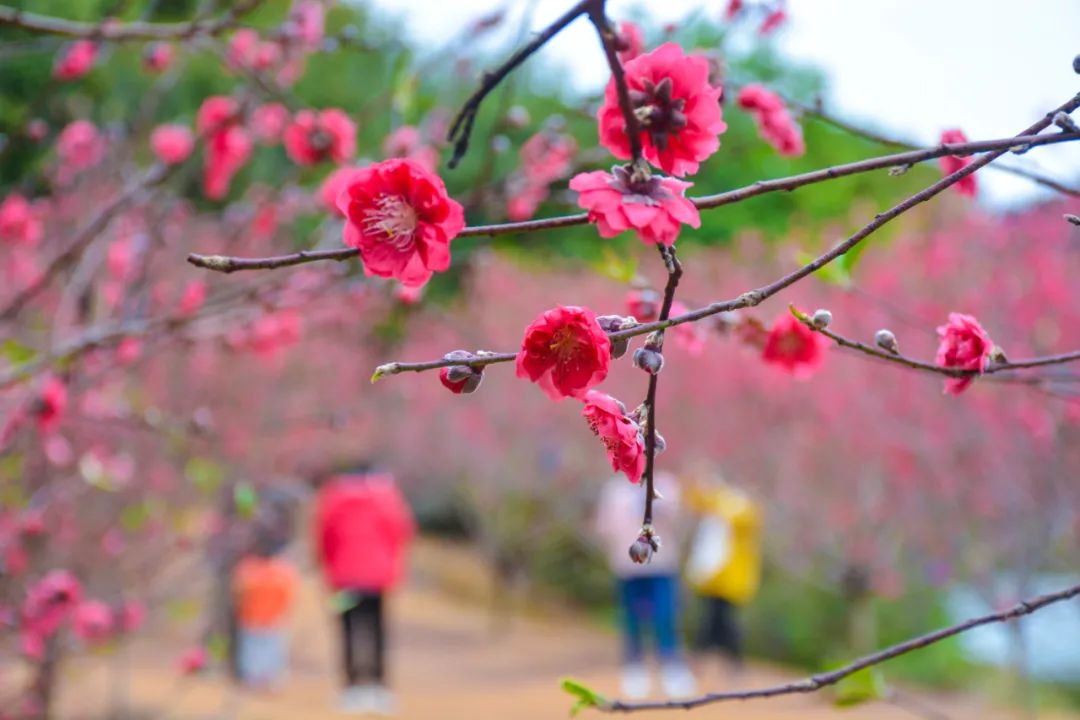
[446, 664]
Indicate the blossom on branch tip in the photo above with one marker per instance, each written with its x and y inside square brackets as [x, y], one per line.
[793, 347]
[76, 61]
[621, 436]
[964, 344]
[315, 136]
[228, 146]
[172, 144]
[565, 352]
[951, 163]
[157, 57]
[654, 207]
[676, 107]
[19, 223]
[401, 219]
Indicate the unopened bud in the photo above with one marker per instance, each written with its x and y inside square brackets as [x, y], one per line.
[887, 341]
[457, 373]
[1076, 64]
[1074, 219]
[641, 551]
[659, 443]
[655, 341]
[615, 323]
[461, 379]
[649, 360]
[821, 319]
[997, 356]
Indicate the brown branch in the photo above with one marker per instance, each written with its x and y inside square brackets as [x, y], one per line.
[462, 126]
[227, 264]
[675, 271]
[607, 35]
[821, 680]
[818, 111]
[755, 297]
[117, 32]
[912, 363]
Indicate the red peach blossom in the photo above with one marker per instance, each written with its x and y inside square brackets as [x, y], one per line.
[406, 142]
[773, 120]
[49, 601]
[965, 345]
[772, 21]
[951, 163]
[679, 110]
[547, 156]
[192, 298]
[793, 347]
[643, 304]
[92, 621]
[51, 404]
[401, 219]
[268, 122]
[332, 186]
[248, 51]
[633, 41]
[19, 224]
[128, 351]
[79, 147]
[193, 661]
[228, 146]
[734, 7]
[172, 144]
[76, 61]
[315, 136]
[565, 351]
[655, 208]
[621, 436]
[306, 23]
[158, 57]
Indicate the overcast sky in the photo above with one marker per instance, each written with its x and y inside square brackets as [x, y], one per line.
[912, 67]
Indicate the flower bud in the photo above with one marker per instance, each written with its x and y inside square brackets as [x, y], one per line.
[461, 379]
[997, 356]
[649, 360]
[1074, 219]
[821, 319]
[887, 341]
[660, 443]
[655, 341]
[1076, 64]
[457, 373]
[641, 551]
[615, 323]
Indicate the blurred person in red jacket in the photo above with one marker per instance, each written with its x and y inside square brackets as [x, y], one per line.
[363, 527]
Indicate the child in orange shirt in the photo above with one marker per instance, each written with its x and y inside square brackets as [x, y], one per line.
[264, 587]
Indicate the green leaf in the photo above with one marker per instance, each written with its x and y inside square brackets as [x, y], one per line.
[246, 499]
[586, 696]
[16, 353]
[218, 647]
[835, 273]
[621, 267]
[204, 474]
[865, 685]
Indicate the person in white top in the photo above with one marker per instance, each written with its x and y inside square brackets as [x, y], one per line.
[647, 593]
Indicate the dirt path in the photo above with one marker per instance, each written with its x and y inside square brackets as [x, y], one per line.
[446, 665]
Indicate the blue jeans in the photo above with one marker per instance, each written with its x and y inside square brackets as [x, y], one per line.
[262, 655]
[649, 602]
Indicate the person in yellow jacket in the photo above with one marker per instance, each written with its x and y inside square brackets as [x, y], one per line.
[724, 566]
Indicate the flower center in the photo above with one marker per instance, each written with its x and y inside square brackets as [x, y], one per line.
[393, 217]
[564, 344]
[660, 114]
[790, 344]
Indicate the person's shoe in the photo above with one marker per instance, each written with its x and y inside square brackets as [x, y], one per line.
[382, 701]
[635, 681]
[355, 700]
[677, 680]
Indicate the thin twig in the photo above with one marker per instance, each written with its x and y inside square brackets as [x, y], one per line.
[461, 128]
[816, 682]
[607, 35]
[118, 32]
[898, 359]
[229, 264]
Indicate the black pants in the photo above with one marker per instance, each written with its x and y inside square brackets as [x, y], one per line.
[364, 640]
[719, 628]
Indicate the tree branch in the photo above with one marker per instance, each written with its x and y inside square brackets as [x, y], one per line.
[228, 264]
[898, 359]
[116, 32]
[821, 680]
[607, 34]
[462, 126]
